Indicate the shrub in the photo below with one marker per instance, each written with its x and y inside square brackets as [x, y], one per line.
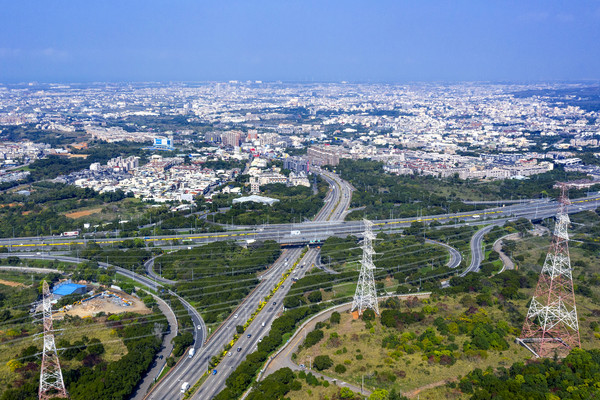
[368, 315]
[322, 362]
[335, 318]
[340, 369]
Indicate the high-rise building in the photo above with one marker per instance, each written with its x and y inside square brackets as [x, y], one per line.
[323, 155]
[232, 138]
[296, 164]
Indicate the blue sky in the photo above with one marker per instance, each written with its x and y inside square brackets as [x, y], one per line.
[326, 40]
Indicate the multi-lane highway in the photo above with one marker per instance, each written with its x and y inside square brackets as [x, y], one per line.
[328, 222]
[193, 368]
[337, 202]
[322, 228]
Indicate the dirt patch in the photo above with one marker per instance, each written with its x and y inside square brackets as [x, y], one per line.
[107, 305]
[83, 213]
[414, 393]
[10, 283]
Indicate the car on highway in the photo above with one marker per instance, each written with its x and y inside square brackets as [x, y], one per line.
[249, 335]
[235, 316]
[274, 303]
[263, 324]
[214, 371]
[230, 354]
[239, 349]
[199, 327]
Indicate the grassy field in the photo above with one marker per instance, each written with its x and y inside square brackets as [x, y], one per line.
[93, 328]
[360, 341]
[359, 349]
[12, 347]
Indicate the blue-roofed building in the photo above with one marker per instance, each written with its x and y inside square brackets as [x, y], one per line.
[69, 288]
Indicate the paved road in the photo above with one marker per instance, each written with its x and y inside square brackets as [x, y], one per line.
[322, 228]
[149, 268]
[336, 203]
[199, 334]
[283, 359]
[477, 254]
[161, 357]
[507, 263]
[455, 257]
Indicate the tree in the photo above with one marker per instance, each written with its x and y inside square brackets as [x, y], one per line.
[346, 393]
[368, 315]
[335, 317]
[13, 260]
[322, 362]
[379, 394]
[315, 297]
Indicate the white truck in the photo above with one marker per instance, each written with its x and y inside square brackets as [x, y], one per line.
[191, 353]
[185, 387]
[295, 233]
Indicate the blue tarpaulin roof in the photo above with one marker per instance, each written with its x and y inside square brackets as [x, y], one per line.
[68, 288]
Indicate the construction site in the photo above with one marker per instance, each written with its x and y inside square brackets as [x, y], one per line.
[109, 302]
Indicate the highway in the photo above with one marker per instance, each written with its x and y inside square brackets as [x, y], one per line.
[321, 228]
[193, 368]
[337, 202]
[149, 268]
[328, 222]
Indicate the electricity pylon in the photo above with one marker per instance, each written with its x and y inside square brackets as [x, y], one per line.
[366, 294]
[551, 325]
[52, 384]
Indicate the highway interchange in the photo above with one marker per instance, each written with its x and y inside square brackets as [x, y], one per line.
[337, 201]
[328, 222]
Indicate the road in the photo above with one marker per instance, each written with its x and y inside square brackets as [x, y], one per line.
[507, 263]
[199, 334]
[337, 201]
[283, 359]
[455, 257]
[477, 254]
[322, 228]
[162, 355]
[149, 268]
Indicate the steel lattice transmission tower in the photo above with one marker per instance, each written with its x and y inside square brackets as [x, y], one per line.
[551, 325]
[51, 379]
[366, 294]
